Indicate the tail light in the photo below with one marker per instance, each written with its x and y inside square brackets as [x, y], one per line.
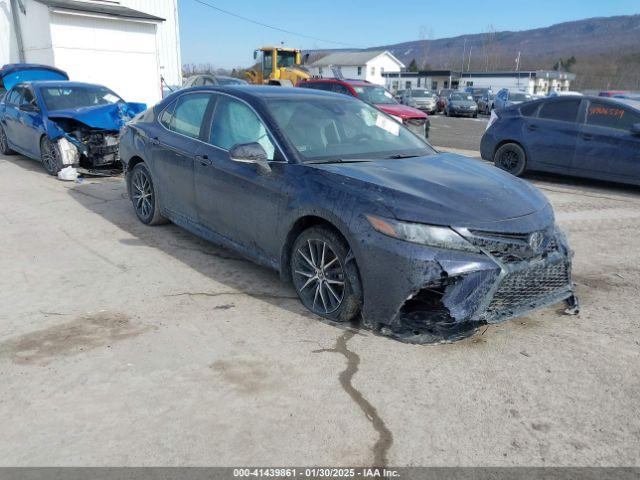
[492, 119]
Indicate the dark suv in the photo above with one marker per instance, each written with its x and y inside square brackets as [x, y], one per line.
[412, 118]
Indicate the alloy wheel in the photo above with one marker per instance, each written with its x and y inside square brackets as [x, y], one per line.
[142, 194]
[319, 277]
[49, 157]
[3, 141]
[510, 160]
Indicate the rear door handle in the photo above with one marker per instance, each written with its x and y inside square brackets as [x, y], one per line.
[587, 137]
[532, 127]
[204, 160]
[155, 141]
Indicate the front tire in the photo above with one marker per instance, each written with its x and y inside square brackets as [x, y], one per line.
[50, 156]
[326, 279]
[511, 158]
[144, 196]
[4, 143]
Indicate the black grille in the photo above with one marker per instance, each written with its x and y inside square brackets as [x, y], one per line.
[526, 287]
[512, 247]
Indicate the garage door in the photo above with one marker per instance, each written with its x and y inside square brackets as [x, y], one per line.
[120, 54]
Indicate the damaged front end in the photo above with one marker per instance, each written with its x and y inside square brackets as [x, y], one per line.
[91, 150]
[446, 294]
[89, 139]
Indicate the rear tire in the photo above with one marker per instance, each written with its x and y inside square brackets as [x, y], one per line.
[4, 143]
[325, 277]
[50, 156]
[144, 196]
[511, 158]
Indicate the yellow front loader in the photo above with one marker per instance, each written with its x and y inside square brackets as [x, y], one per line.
[279, 66]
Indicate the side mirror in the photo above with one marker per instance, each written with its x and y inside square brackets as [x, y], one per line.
[635, 129]
[251, 153]
[255, 54]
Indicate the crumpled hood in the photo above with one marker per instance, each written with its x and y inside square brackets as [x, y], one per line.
[15, 73]
[104, 117]
[402, 111]
[445, 189]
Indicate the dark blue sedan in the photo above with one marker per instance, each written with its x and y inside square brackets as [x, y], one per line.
[359, 213]
[61, 123]
[592, 137]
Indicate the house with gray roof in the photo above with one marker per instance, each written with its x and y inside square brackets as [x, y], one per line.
[369, 65]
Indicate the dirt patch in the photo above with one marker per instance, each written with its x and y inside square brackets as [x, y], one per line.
[248, 376]
[71, 338]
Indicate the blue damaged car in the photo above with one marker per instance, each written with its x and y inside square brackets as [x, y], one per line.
[45, 116]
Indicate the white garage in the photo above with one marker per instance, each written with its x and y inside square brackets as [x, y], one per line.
[94, 41]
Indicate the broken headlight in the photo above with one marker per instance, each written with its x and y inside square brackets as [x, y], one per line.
[430, 235]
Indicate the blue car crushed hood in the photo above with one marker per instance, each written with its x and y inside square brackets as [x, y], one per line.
[84, 136]
[446, 189]
[14, 73]
[104, 117]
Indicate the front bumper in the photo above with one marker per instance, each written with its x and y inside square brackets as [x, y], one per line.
[421, 294]
[463, 111]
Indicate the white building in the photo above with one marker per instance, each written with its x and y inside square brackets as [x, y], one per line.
[126, 46]
[533, 82]
[369, 66]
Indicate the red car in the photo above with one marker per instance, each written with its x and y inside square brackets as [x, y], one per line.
[612, 93]
[412, 118]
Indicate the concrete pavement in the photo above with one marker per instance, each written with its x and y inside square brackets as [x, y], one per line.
[122, 344]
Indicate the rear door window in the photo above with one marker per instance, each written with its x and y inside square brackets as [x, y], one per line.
[563, 110]
[189, 113]
[604, 114]
[341, 89]
[320, 86]
[529, 110]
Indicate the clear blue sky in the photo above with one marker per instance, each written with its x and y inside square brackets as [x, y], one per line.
[209, 36]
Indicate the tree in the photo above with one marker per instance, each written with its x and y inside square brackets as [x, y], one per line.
[565, 65]
[413, 66]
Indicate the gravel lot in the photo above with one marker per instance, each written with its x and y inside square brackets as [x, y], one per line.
[122, 344]
[457, 132]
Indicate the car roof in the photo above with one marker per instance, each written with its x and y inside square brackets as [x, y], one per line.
[261, 91]
[347, 81]
[60, 83]
[563, 98]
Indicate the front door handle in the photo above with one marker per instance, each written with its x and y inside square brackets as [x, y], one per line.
[154, 141]
[587, 137]
[203, 160]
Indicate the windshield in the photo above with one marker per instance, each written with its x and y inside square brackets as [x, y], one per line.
[71, 97]
[420, 93]
[286, 59]
[230, 81]
[375, 95]
[333, 129]
[461, 97]
[519, 97]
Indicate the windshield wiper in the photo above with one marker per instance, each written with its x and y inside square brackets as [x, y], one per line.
[341, 160]
[400, 155]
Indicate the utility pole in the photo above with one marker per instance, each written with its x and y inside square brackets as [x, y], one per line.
[518, 68]
[464, 54]
[469, 63]
[18, 28]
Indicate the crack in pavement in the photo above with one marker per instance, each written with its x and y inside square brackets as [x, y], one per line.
[219, 294]
[385, 437]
